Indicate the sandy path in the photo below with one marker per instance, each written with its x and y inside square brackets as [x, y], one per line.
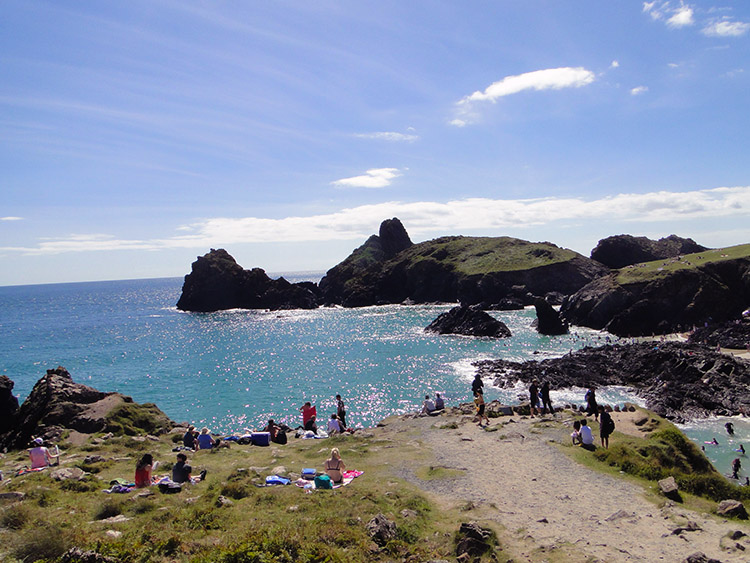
[555, 509]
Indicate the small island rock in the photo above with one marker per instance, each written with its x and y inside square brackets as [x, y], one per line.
[468, 321]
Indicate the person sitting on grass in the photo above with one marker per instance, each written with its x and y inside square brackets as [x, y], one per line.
[143, 470]
[205, 441]
[334, 426]
[181, 471]
[188, 440]
[587, 438]
[575, 436]
[309, 414]
[334, 466]
[41, 456]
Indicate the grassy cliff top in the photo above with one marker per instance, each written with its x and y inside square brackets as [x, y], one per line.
[650, 271]
[482, 255]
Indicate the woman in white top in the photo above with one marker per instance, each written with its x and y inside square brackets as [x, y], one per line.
[334, 466]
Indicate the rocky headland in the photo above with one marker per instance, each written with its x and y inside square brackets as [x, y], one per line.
[678, 381]
[624, 250]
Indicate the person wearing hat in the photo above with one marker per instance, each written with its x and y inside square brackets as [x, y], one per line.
[41, 456]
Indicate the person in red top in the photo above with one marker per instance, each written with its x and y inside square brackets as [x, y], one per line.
[309, 413]
[143, 471]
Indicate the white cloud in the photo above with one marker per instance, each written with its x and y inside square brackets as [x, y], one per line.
[389, 136]
[427, 218]
[614, 64]
[726, 28]
[638, 90]
[374, 178]
[682, 17]
[11, 218]
[548, 79]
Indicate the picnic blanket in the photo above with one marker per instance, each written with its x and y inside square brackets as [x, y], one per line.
[348, 475]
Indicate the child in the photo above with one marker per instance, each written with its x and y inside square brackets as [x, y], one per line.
[479, 402]
[575, 436]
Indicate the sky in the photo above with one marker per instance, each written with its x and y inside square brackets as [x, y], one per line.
[135, 136]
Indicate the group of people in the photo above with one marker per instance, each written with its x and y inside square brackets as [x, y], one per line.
[182, 472]
[336, 424]
[539, 395]
[433, 407]
[202, 440]
[583, 436]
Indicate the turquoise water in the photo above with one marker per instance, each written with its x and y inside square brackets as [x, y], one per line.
[233, 370]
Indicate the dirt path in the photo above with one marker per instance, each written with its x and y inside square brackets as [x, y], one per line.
[553, 509]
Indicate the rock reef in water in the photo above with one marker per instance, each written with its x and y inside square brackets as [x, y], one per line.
[548, 320]
[665, 297]
[678, 381]
[217, 283]
[57, 403]
[623, 250]
[468, 321]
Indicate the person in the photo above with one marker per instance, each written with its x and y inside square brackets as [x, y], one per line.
[309, 414]
[587, 438]
[181, 471]
[205, 441]
[143, 471]
[428, 406]
[334, 426]
[334, 466]
[730, 428]
[546, 402]
[741, 449]
[41, 456]
[188, 440]
[736, 466]
[276, 432]
[606, 426]
[591, 407]
[575, 436]
[439, 403]
[479, 402]
[533, 398]
[477, 386]
[714, 441]
[341, 412]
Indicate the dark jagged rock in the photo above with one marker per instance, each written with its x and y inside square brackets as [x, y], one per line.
[470, 270]
[57, 403]
[731, 334]
[623, 250]
[678, 381]
[548, 320]
[216, 282]
[8, 404]
[468, 321]
[672, 297]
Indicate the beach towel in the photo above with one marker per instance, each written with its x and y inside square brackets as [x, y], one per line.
[348, 475]
[277, 480]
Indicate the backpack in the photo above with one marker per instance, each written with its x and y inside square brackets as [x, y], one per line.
[323, 482]
[170, 487]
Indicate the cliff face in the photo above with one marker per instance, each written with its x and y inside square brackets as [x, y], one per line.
[217, 282]
[668, 297]
[472, 270]
[623, 250]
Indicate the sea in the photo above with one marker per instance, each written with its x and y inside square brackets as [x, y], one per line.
[233, 370]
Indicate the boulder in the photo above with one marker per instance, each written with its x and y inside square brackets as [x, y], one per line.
[548, 320]
[473, 541]
[216, 282]
[381, 529]
[732, 508]
[78, 555]
[68, 474]
[56, 403]
[668, 488]
[699, 557]
[468, 321]
[623, 250]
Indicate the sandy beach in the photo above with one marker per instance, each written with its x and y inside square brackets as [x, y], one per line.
[552, 508]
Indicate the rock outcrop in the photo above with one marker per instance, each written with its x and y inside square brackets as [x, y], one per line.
[678, 381]
[731, 334]
[468, 321]
[548, 320]
[660, 299]
[216, 282]
[57, 403]
[493, 272]
[8, 404]
[623, 250]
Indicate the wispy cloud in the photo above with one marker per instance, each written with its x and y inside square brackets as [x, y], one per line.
[614, 64]
[11, 218]
[674, 16]
[726, 28]
[638, 90]
[426, 218]
[389, 136]
[547, 79]
[374, 178]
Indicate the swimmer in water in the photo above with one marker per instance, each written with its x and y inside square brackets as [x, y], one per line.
[715, 442]
[730, 428]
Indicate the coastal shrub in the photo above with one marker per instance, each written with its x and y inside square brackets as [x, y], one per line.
[108, 509]
[86, 485]
[132, 419]
[15, 517]
[235, 490]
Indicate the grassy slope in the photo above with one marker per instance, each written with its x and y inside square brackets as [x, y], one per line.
[649, 271]
[482, 255]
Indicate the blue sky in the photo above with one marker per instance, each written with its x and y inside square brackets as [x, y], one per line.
[134, 136]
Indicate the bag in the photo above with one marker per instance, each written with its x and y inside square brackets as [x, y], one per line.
[323, 482]
[308, 473]
[169, 487]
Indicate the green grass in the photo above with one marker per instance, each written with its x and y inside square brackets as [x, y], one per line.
[482, 255]
[650, 271]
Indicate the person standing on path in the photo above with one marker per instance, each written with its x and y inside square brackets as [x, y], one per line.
[533, 398]
[341, 412]
[477, 386]
[606, 426]
[546, 402]
[592, 409]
